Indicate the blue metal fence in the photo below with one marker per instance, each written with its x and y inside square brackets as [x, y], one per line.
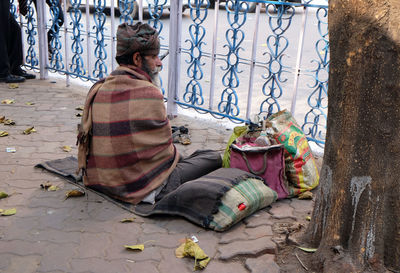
[224, 70]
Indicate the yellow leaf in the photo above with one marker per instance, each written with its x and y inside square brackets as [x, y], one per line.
[9, 122]
[29, 130]
[128, 220]
[53, 188]
[1, 210]
[74, 193]
[2, 118]
[8, 101]
[202, 264]
[29, 103]
[310, 250]
[3, 133]
[194, 250]
[3, 195]
[8, 212]
[135, 247]
[308, 218]
[79, 108]
[180, 250]
[191, 249]
[66, 148]
[13, 85]
[306, 195]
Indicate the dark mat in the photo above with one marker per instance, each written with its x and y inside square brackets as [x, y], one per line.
[196, 200]
[66, 168]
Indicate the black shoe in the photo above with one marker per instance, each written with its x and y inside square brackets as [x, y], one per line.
[23, 73]
[12, 79]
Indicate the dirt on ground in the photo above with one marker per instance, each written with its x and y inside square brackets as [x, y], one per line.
[289, 237]
[292, 259]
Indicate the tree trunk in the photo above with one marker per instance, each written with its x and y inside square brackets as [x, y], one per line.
[356, 219]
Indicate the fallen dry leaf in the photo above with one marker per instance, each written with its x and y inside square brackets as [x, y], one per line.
[3, 194]
[8, 212]
[3, 133]
[29, 131]
[202, 264]
[191, 249]
[9, 122]
[306, 195]
[29, 103]
[79, 108]
[2, 118]
[306, 249]
[8, 101]
[134, 247]
[128, 220]
[49, 187]
[74, 193]
[66, 148]
[308, 218]
[78, 114]
[53, 188]
[13, 85]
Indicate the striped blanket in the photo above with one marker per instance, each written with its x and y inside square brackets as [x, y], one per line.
[125, 144]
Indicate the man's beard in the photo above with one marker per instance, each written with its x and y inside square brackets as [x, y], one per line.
[154, 74]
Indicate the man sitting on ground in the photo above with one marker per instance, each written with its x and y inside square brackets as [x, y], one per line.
[125, 139]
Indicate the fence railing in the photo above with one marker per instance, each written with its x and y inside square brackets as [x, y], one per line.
[236, 61]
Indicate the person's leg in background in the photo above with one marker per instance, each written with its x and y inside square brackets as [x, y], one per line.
[15, 54]
[198, 164]
[5, 35]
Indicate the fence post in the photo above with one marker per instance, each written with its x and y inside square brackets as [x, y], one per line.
[214, 55]
[174, 66]
[253, 61]
[65, 10]
[42, 34]
[298, 59]
[140, 11]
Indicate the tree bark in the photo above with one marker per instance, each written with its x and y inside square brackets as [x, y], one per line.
[356, 219]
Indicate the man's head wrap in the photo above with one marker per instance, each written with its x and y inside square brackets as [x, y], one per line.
[137, 38]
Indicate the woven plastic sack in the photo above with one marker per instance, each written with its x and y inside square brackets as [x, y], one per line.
[301, 169]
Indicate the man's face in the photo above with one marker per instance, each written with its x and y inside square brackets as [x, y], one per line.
[151, 64]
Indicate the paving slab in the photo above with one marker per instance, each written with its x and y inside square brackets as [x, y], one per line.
[247, 247]
[263, 264]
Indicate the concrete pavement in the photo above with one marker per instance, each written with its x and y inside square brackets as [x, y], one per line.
[50, 234]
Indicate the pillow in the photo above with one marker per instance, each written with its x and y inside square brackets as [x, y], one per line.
[217, 200]
[242, 200]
